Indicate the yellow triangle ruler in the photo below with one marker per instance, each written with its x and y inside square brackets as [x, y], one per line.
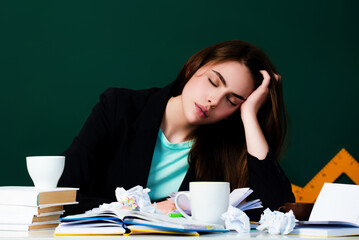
[343, 162]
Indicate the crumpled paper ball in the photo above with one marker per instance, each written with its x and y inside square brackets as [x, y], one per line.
[277, 222]
[135, 198]
[236, 219]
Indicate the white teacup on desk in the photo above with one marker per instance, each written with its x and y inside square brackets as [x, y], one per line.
[45, 171]
[208, 201]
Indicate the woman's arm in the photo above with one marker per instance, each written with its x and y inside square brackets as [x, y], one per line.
[269, 183]
[255, 140]
[266, 178]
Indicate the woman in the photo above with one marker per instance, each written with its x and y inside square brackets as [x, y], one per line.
[222, 119]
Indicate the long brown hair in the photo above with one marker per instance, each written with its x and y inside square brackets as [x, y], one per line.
[219, 151]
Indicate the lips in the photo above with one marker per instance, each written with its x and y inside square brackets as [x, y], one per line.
[201, 110]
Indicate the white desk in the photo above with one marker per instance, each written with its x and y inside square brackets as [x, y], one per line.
[49, 235]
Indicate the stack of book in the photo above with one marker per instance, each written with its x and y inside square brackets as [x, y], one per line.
[28, 208]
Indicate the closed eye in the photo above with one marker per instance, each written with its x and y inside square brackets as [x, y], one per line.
[229, 100]
[212, 82]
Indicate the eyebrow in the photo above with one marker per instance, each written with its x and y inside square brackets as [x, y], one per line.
[225, 84]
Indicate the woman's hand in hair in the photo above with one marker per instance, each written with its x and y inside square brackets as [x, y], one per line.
[257, 98]
[256, 143]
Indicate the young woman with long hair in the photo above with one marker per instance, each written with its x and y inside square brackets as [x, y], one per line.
[222, 119]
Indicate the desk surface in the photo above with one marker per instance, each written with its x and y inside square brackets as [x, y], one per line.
[49, 235]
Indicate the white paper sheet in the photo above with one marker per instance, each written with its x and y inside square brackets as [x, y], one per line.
[337, 202]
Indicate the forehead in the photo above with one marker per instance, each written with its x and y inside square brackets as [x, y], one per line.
[236, 75]
[231, 68]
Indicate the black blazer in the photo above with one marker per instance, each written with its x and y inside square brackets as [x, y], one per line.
[115, 147]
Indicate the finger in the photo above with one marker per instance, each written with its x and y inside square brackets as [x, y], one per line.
[266, 78]
[278, 77]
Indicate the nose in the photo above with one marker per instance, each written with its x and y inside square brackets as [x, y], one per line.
[214, 98]
[212, 102]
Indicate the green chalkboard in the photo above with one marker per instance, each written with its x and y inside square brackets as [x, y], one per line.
[56, 57]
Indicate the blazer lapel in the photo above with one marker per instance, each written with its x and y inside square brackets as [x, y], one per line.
[146, 128]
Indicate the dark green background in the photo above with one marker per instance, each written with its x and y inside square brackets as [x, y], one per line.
[56, 57]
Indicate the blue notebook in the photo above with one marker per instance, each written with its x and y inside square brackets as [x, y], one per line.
[123, 221]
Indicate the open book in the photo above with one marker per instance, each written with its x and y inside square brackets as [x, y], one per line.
[236, 199]
[335, 212]
[114, 220]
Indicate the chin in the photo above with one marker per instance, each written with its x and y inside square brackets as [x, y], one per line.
[201, 122]
[193, 120]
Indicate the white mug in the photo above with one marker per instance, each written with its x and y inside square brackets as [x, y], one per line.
[45, 171]
[208, 201]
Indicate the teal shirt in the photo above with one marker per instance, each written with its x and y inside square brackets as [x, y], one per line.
[168, 168]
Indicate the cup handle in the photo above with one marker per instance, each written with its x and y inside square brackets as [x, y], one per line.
[178, 206]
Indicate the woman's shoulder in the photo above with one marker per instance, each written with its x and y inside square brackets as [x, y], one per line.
[126, 95]
[131, 100]
[123, 93]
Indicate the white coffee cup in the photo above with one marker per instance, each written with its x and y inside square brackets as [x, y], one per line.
[208, 201]
[45, 171]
